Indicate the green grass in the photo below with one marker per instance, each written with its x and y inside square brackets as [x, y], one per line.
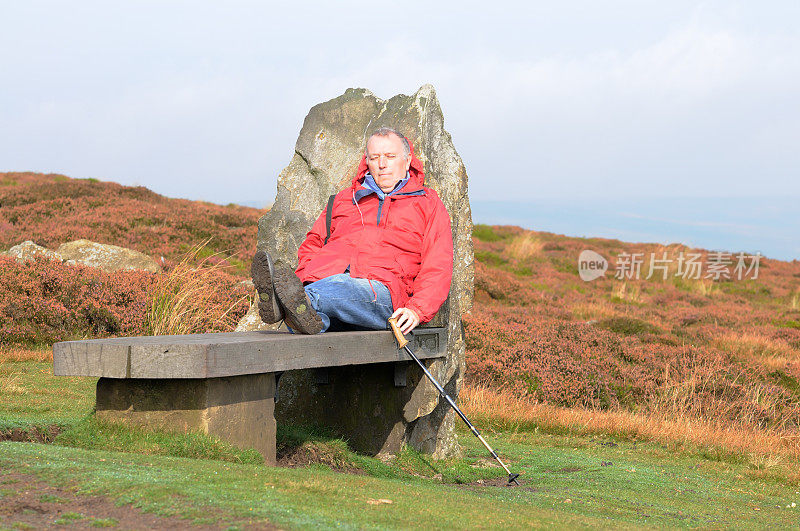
[490, 258]
[787, 323]
[105, 522]
[94, 434]
[485, 233]
[33, 398]
[68, 518]
[607, 484]
[629, 326]
[49, 498]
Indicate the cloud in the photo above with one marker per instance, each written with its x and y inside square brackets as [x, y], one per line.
[637, 98]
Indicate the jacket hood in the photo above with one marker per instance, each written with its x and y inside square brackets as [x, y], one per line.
[415, 171]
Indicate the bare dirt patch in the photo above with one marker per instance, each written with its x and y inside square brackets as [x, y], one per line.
[29, 503]
[38, 435]
[500, 482]
[311, 453]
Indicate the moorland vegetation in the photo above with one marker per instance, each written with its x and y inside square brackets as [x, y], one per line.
[708, 363]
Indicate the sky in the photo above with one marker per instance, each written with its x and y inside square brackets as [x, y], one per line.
[544, 100]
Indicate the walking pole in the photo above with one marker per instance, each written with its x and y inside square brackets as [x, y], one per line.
[402, 343]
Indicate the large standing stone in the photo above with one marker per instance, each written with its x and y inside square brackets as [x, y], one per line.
[325, 161]
[106, 257]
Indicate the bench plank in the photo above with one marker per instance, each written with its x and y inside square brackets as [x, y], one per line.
[234, 353]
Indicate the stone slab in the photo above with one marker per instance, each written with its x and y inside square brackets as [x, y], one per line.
[235, 353]
[238, 409]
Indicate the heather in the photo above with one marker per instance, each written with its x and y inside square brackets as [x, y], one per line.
[725, 350]
[53, 209]
[724, 353]
[43, 302]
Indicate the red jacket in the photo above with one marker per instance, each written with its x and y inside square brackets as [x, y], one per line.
[409, 248]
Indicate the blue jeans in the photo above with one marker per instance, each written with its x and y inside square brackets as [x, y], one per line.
[347, 303]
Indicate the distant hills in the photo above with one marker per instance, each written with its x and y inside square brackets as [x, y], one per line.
[51, 209]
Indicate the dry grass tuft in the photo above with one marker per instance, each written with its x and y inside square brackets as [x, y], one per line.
[623, 291]
[758, 446]
[586, 311]
[758, 350]
[794, 303]
[713, 392]
[700, 286]
[21, 354]
[9, 380]
[183, 298]
[525, 246]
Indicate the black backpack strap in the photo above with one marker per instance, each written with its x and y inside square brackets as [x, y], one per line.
[328, 214]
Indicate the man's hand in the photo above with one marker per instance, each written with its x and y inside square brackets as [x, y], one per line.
[407, 319]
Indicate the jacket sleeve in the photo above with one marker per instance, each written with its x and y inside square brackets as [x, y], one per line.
[432, 284]
[314, 241]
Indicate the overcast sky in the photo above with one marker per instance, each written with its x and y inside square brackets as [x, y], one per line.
[204, 100]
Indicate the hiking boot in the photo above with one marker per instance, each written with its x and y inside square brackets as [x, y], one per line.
[262, 272]
[298, 313]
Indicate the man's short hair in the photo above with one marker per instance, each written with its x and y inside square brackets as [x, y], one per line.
[386, 131]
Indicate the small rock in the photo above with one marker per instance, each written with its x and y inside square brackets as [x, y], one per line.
[378, 502]
[28, 251]
[109, 258]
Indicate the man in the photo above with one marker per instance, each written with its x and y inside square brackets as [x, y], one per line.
[390, 252]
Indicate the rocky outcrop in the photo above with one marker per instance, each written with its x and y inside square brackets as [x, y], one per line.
[106, 257]
[28, 251]
[325, 161]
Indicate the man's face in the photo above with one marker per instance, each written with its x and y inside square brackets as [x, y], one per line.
[387, 161]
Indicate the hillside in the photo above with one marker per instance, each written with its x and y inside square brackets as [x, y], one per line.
[669, 401]
[725, 351]
[52, 209]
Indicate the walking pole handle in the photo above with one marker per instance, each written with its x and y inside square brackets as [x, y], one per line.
[398, 335]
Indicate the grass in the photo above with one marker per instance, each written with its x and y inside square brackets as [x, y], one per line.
[629, 326]
[684, 434]
[490, 258]
[622, 292]
[94, 434]
[587, 311]
[181, 303]
[485, 233]
[525, 246]
[718, 476]
[700, 286]
[32, 398]
[758, 350]
[568, 482]
[794, 302]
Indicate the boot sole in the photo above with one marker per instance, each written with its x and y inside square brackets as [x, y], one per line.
[263, 279]
[299, 314]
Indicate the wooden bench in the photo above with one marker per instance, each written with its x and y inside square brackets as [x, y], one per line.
[224, 384]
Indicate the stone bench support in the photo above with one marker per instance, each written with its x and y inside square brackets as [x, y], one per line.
[238, 409]
[224, 384]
